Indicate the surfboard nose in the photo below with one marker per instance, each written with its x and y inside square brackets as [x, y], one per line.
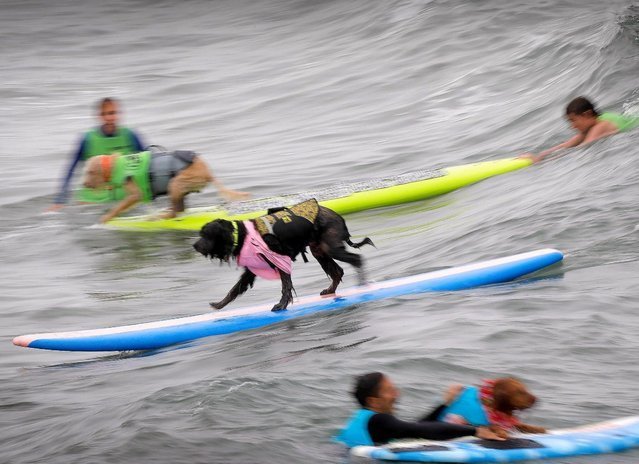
[22, 340]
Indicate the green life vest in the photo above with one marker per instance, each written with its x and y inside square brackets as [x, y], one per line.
[122, 142]
[135, 167]
[623, 122]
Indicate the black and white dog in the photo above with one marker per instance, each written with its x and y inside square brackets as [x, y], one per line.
[265, 246]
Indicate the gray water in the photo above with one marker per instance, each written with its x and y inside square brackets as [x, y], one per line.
[285, 96]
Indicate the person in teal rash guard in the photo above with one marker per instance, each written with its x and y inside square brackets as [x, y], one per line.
[590, 124]
[107, 139]
[375, 424]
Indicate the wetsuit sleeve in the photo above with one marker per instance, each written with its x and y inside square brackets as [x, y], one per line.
[62, 195]
[137, 142]
[434, 414]
[385, 427]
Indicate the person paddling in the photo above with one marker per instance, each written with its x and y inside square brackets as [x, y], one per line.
[374, 423]
[590, 125]
[106, 139]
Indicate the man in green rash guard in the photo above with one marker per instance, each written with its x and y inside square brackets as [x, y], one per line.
[590, 124]
[107, 139]
[374, 423]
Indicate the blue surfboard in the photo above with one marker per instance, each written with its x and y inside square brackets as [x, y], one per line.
[160, 334]
[603, 437]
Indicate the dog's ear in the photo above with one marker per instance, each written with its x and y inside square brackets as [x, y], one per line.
[502, 394]
[213, 229]
[91, 175]
[510, 394]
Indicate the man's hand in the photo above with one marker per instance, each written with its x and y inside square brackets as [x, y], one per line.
[54, 208]
[531, 156]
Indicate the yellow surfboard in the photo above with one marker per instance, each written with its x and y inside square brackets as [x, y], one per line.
[342, 198]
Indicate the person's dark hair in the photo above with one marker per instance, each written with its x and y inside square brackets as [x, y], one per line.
[367, 385]
[105, 101]
[580, 105]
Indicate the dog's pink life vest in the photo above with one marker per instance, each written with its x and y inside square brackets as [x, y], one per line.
[256, 256]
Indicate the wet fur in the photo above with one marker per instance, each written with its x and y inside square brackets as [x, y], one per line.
[326, 243]
[509, 395]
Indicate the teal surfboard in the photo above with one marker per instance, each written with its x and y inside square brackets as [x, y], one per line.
[604, 437]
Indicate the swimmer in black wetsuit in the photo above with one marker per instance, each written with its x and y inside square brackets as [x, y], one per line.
[375, 423]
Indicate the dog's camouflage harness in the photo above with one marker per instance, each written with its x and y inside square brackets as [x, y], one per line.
[293, 226]
[308, 210]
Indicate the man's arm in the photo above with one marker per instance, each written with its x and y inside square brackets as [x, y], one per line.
[434, 414]
[599, 131]
[63, 193]
[571, 142]
[451, 394]
[137, 142]
[385, 427]
[134, 195]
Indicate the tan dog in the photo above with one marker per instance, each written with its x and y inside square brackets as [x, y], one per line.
[144, 176]
[510, 395]
[495, 401]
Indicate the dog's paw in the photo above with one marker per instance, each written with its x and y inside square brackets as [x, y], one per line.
[278, 307]
[363, 279]
[526, 428]
[327, 291]
[216, 305]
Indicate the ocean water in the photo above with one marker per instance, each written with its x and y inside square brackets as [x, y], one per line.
[280, 96]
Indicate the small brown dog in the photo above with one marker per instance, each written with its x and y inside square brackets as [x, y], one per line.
[494, 403]
[147, 175]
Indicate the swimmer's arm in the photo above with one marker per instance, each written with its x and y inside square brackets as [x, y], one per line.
[137, 142]
[385, 427]
[451, 394]
[134, 195]
[63, 193]
[433, 416]
[571, 142]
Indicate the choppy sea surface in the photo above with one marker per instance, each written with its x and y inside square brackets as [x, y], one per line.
[284, 96]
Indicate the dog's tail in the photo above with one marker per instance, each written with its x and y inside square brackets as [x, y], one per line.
[366, 241]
